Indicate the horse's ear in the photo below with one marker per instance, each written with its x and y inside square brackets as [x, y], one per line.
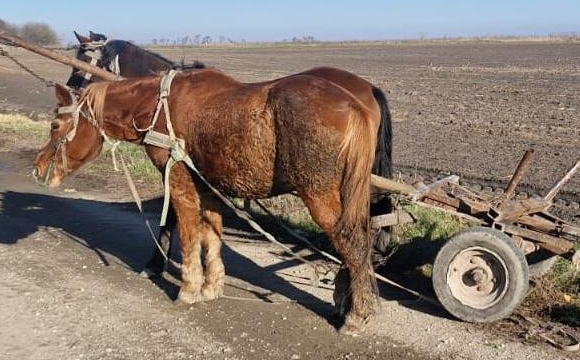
[97, 37]
[62, 95]
[81, 39]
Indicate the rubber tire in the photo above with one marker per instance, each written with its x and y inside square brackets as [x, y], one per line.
[506, 249]
[542, 267]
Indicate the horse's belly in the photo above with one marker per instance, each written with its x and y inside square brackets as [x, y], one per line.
[242, 165]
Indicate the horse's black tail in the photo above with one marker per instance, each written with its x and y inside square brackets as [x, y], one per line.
[383, 166]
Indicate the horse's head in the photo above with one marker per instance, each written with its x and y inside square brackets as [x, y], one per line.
[73, 141]
[120, 57]
[91, 50]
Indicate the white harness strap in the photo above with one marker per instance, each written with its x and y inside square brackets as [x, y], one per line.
[169, 141]
[93, 50]
[114, 66]
[164, 91]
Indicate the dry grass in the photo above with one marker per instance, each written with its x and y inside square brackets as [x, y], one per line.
[22, 131]
[20, 128]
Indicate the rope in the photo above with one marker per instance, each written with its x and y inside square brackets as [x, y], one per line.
[138, 202]
[46, 82]
[337, 261]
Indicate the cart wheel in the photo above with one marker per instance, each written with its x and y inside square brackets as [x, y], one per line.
[480, 275]
[540, 263]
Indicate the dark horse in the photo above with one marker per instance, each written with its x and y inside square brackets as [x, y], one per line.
[297, 134]
[129, 61]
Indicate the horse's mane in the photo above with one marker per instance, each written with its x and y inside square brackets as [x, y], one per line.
[94, 98]
[116, 47]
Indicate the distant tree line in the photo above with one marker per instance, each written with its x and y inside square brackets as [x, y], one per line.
[35, 32]
[200, 39]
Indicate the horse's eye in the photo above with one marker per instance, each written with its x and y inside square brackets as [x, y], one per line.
[54, 125]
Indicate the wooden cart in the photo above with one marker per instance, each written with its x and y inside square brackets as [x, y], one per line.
[481, 274]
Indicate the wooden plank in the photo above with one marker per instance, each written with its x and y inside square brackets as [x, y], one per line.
[395, 218]
[425, 190]
[551, 243]
[97, 71]
[518, 208]
[391, 186]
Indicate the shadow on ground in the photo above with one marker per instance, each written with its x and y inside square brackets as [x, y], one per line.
[116, 229]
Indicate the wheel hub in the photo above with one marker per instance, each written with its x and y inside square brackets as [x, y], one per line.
[477, 277]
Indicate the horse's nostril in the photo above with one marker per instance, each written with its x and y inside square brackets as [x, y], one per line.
[35, 173]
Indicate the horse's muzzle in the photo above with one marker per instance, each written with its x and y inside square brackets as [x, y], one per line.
[35, 173]
[37, 176]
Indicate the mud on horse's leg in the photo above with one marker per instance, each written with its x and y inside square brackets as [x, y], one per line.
[186, 203]
[211, 240]
[355, 291]
[156, 263]
[363, 301]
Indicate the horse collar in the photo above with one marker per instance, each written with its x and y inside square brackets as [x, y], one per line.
[156, 138]
[165, 84]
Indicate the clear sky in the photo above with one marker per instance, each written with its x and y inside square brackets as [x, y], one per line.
[268, 20]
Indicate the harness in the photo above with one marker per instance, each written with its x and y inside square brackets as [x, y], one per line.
[75, 110]
[169, 142]
[94, 50]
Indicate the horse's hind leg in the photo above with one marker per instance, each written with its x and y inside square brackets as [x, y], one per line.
[156, 263]
[355, 289]
[214, 272]
[186, 203]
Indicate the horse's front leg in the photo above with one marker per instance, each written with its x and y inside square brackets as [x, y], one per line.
[186, 203]
[213, 286]
[156, 263]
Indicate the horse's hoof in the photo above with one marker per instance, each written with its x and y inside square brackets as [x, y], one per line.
[340, 309]
[188, 298]
[341, 303]
[354, 325]
[211, 292]
[350, 330]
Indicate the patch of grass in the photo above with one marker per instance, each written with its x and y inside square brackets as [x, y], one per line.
[23, 128]
[138, 163]
[566, 277]
[555, 295]
[431, 225]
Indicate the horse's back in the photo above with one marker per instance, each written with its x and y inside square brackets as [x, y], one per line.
[311, 116]
[232, 132]
[314, 102]
[251, 139]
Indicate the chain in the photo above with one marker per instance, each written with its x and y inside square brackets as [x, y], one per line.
[46, 82]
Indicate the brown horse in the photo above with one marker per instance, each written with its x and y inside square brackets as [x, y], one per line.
[130, 60]
[299, 133]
